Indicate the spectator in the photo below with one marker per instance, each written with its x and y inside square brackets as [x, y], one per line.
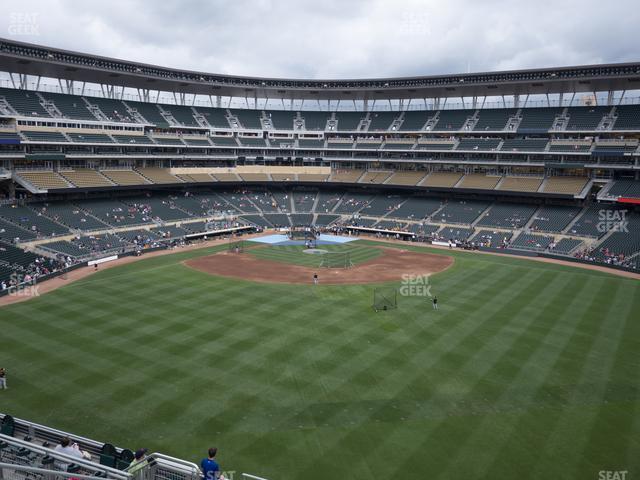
[139, 460]
[71, 449]
[210, 468]
[65, 446]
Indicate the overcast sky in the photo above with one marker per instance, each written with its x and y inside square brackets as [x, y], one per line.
[334, 38]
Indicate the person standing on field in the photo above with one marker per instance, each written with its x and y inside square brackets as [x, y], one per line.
[435, 303]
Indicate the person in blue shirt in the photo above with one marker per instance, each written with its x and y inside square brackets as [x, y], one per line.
[210, 468]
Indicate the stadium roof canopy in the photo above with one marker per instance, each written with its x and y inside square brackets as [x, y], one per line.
[38, 60]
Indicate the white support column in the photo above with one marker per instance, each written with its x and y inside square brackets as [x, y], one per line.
[621, 97]
[516, 101]
[22, 80]
[38, 82]
[610, 98]
[365, 104]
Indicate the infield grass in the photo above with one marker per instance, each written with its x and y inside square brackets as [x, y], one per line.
[528, 370]
[295, 254]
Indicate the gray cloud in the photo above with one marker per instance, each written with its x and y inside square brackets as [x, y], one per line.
[334, 38]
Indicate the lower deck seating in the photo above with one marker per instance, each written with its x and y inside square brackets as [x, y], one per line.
[453, 234]
[353, 202]
[324, 220]
[382, 205]
[565, 246]
[69, 215]
[301, 219]
[34, 222]
[391, 225]
[492, 238]
[416, 208]
[170, 232]
[527, 241]
[423, 230]
[554, 218]
[623, 243]
[10, 232]
[507, 215]
[66, 248]
[257, 220]
[460, 211]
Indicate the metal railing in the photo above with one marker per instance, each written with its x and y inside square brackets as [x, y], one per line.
[21, 455]
[10, 471]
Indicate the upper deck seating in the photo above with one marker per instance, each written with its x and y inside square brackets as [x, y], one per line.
[494, 118]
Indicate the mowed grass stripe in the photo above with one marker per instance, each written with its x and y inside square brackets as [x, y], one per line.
[296, 382]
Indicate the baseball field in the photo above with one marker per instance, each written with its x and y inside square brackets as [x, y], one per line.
[527, 370]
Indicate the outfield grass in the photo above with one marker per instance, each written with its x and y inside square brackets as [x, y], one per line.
[294, 254]
[529, 370]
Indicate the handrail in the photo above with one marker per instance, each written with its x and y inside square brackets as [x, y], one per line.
[64, 458]
[25, 468]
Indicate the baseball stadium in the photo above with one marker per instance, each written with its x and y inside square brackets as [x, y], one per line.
[408, 277]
